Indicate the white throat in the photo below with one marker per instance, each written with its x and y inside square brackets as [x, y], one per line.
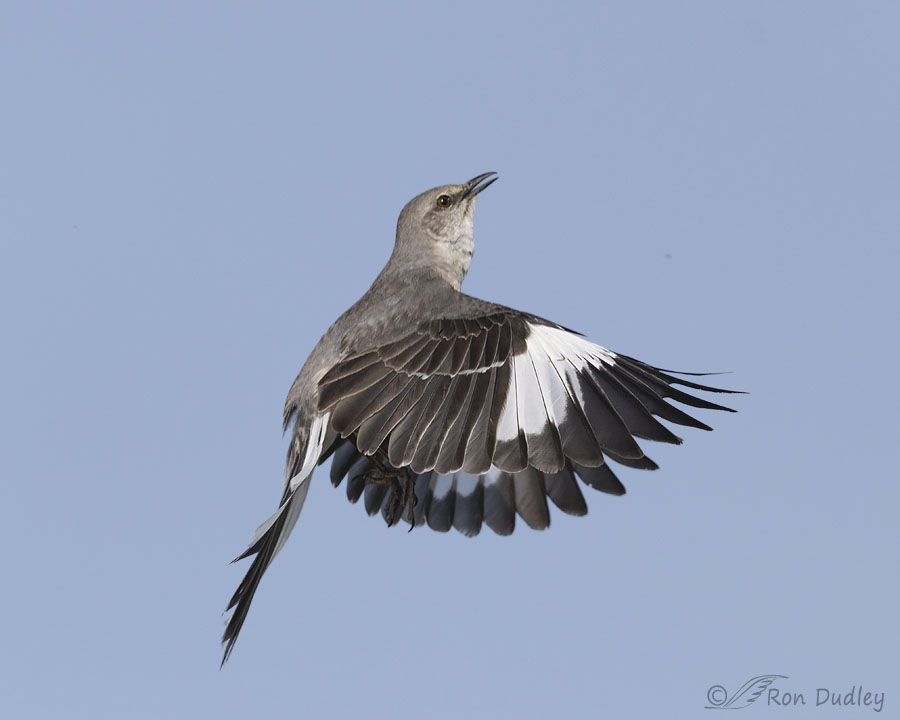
[457, 254]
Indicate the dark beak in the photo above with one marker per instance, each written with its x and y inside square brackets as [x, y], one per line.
[477, 184]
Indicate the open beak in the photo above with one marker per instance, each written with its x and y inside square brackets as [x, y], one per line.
[477, 184]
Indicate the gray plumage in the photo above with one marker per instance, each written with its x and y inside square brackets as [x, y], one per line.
[487, 411]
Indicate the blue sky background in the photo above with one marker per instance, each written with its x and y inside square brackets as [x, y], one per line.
[191, 192]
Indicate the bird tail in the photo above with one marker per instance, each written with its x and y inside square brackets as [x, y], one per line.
[270, 537]
[265, 544]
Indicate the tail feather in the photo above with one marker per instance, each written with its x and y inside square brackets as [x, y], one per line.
[265, 545]
[305, 450]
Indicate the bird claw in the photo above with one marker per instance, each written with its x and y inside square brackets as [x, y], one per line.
[403, 491]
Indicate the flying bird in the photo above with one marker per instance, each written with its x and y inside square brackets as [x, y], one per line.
[448, 411]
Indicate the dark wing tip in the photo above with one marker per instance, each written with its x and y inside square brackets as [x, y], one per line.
[697, 386]
[600, 478]
[687, 383]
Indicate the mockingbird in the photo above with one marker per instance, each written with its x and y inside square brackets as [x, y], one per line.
[447, 410]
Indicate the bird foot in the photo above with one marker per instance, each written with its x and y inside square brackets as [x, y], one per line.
[402, 487]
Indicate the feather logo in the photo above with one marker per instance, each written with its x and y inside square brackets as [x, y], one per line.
[745, 696]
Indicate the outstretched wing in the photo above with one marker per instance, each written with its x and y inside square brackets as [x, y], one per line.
[493, 415]
[504, 392]
[467, 502]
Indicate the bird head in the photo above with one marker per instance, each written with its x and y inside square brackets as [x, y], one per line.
[436, 227]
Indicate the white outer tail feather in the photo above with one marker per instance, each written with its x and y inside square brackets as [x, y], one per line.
[298, 485]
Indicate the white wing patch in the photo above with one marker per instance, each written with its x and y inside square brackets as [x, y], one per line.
[532, 413]
[560, 345]
[508, 425]
[466, 483]
[443, 485]
[564, 355]
[544, 378]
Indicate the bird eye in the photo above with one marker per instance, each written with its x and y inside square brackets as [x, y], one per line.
[444, 201]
